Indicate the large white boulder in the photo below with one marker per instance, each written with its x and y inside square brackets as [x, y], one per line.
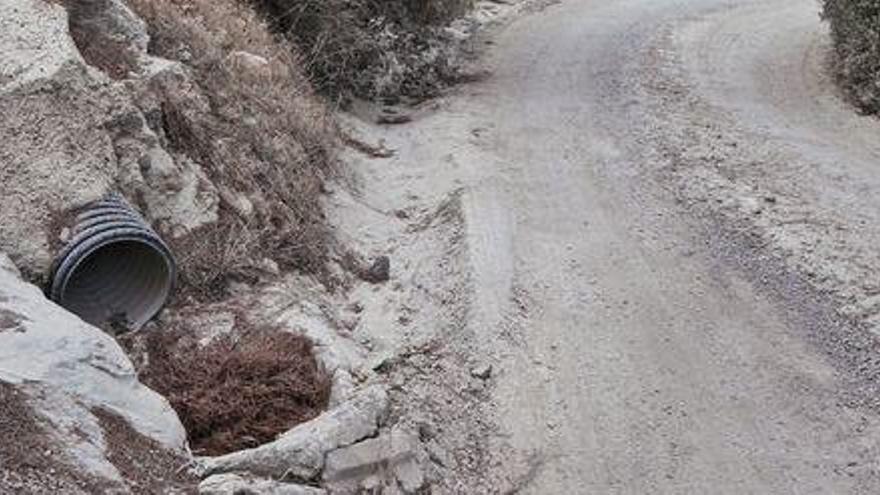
[43, 344]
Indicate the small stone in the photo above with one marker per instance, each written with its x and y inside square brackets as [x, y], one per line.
[269, 266]
[379, 271]
[483, 372]
[248, 61]
[437, 454]
[427, 431]
[382, 361]
[398, 382]
[393, 119]
[751, 205]
[410, 476]
[350, 323]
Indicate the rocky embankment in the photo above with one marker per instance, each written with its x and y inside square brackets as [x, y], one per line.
[90, 108]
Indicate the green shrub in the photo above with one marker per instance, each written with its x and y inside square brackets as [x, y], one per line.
[855, 31]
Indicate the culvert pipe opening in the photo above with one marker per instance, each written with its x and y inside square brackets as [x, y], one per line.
[114, 272]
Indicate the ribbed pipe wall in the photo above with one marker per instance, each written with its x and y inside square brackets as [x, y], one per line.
[114, 272]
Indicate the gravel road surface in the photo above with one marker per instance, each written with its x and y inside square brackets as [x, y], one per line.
[671, 218]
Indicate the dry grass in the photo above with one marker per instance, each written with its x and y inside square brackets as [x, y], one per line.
[255, 126]
[239, 392]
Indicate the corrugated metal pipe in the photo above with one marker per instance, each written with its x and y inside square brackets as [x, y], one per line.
[114, 271]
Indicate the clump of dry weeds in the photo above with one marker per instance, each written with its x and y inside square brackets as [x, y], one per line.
[237, 392]
[370, 48]
[254, 124]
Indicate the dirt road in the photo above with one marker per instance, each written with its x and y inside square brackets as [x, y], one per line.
[670, 220]
[668, 204]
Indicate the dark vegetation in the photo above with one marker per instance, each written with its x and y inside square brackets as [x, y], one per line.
[237, 392]
[855, 31]
[374, 49]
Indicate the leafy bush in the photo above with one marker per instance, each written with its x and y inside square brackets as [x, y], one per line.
[855, 30]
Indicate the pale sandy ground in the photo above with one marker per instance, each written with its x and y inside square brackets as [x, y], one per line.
[658, 224]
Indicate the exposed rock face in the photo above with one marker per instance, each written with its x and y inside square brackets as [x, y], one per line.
[70, 370]
[108, 27]
[55, 153]
[41, 343]
[71, 134]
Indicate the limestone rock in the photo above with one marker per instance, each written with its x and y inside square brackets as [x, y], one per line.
[68, 370]
[43, 344]
[234, 484]
[55, 155]
[299, 453]
[248, 61]
[173, 190]
[334, 350]
[393, 454]
[483, 371]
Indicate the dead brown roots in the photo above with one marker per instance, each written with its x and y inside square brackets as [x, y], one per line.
[238, 393]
